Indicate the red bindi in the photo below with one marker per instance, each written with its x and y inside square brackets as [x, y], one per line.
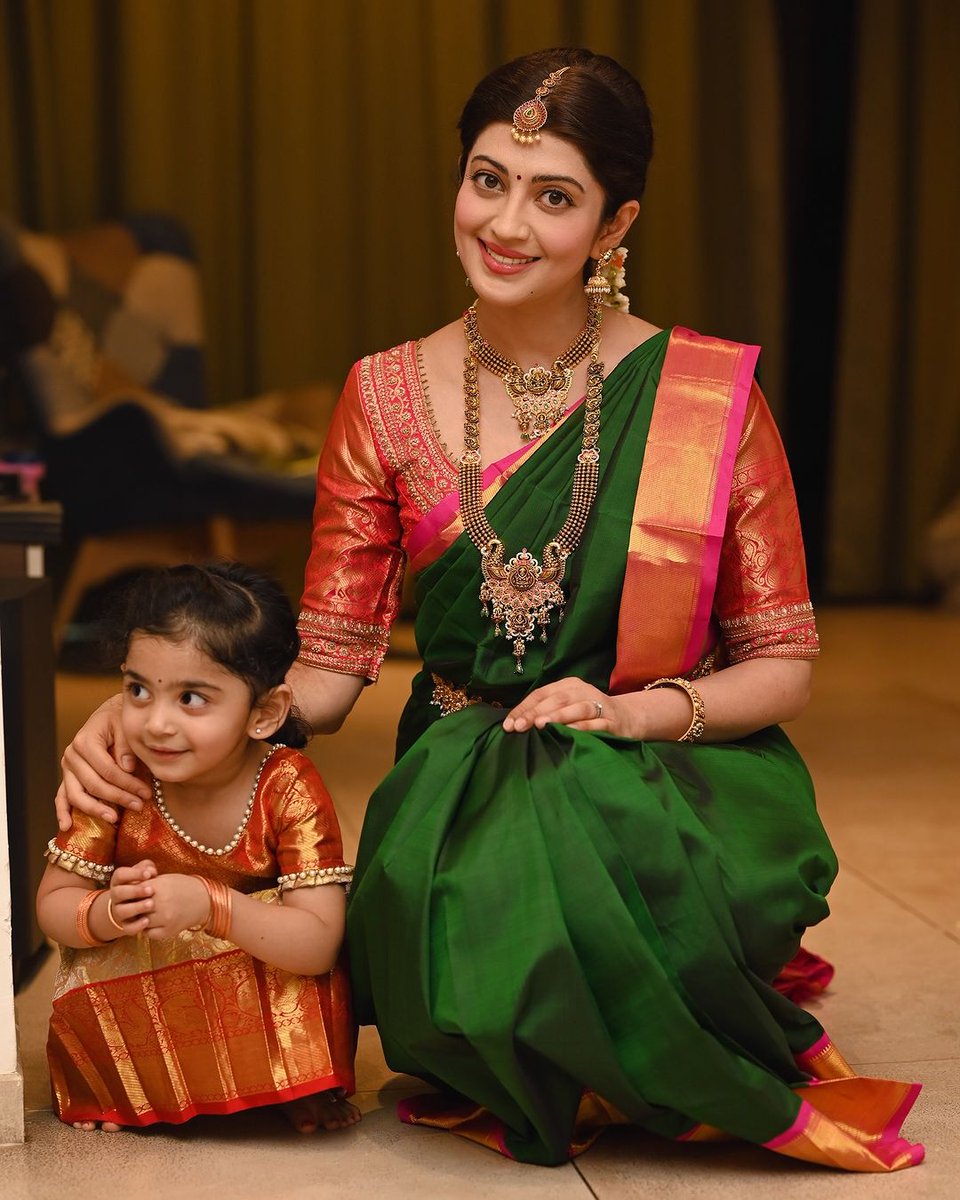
[519, 177]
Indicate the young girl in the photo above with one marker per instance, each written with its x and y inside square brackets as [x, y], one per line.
[200, 936]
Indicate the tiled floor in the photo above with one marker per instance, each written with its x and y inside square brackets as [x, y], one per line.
[881, 741]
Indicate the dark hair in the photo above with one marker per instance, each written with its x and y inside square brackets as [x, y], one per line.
[597, 105]
[239, 617]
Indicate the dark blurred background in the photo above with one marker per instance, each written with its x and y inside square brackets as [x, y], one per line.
[804, 194]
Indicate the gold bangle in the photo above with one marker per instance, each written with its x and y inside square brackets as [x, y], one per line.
[111, 918]
[83, 919]
[698, 723]
[221, 908]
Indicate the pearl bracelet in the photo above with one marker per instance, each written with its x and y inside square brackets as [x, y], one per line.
[698, 723]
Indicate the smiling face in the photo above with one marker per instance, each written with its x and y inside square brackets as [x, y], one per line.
[528, 217]
[187, 718]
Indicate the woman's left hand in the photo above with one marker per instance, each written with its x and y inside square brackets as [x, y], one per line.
[575, 703]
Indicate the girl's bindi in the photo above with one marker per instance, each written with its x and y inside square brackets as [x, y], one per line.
[519, 178]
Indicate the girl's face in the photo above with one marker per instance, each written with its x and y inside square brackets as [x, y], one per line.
[188, 719]
[527, 217]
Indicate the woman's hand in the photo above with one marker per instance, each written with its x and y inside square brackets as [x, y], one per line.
[98, 766]
[581, 706]
[739, 700]
[178, 902]
[131, 896]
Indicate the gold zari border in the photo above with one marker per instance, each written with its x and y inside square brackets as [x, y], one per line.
[786, 632]
[340, 643]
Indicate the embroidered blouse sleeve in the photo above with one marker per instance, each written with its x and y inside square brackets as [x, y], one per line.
[87, 848]
[353, 576]
[762, 601]
[309, 846]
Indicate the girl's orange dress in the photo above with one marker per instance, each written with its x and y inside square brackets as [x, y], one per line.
[145, 1031]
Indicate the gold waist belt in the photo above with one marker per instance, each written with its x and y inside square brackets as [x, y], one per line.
[450, 699]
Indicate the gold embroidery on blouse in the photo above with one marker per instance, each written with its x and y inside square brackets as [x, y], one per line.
[772, 618]
[427, 403]
[391, 394]
[341, 643]
[786, 632]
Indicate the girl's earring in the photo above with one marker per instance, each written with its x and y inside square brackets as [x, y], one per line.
[257, 730]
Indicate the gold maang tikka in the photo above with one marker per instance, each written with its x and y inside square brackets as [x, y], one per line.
[531, 116]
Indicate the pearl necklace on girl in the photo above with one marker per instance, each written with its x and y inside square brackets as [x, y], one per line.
[181, 833]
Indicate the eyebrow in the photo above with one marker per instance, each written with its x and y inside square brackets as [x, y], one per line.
[184, 685]
[535, 179]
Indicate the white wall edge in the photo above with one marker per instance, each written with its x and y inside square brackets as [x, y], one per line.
[11, 1077]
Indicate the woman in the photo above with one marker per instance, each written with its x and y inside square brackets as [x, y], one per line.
[596, 848]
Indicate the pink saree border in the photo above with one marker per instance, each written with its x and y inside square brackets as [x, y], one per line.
[433, 523]
[441, 526]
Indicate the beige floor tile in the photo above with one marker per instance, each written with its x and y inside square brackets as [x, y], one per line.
[897, 979]
[253, 1156]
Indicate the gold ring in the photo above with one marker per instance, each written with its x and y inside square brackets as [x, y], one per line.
[599, 708]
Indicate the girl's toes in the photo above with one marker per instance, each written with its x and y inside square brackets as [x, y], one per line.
[334, 1112]
[301, 1115]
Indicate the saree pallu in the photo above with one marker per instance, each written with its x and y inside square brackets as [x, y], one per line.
[561, 929]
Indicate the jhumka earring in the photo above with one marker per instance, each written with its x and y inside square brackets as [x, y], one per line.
[598, 286]
[531, 116]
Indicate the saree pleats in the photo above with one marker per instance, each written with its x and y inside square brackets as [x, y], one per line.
[561, 930]
[146, 1031]
[565, 939]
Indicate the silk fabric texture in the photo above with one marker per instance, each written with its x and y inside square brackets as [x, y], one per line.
[560, 929]
[145, 1031]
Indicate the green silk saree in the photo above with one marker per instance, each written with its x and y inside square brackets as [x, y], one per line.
[560, 929]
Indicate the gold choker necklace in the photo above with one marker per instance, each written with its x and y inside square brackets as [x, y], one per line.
[519, 595]
[539, 395]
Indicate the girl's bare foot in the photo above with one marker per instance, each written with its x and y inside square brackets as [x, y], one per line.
[335, 1110]
[90, 1126]
[326, 1110]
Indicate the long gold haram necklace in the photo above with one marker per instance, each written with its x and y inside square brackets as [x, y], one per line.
[519, 595]
[538, 394]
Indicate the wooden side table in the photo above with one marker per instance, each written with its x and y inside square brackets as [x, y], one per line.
[26, 528]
